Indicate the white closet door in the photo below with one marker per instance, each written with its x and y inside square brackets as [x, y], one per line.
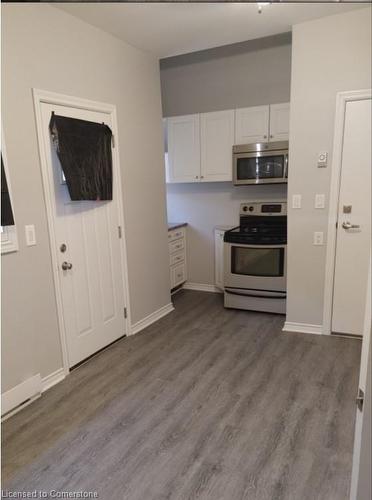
[353, 247]
[217, 139]
[184, 148]
[252, 124]
[279, 122]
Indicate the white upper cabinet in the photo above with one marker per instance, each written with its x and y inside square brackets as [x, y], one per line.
[200, 146]
[279, 122]
[262, 124]
[183, 148]
[252, 124]
[217, 139]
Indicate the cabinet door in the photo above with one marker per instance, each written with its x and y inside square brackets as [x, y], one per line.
[183, 149]
[217, 139]
[252, 125]
[279, 122]
[178, 274]
[218, 255]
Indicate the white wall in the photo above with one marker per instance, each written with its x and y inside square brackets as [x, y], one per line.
[244, 74]
[46, 48]
[329, 55]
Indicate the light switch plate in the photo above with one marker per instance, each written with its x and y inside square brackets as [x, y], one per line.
[296, 201]
[318, 238]
[30, 235]
[319, 201]
[322, 159]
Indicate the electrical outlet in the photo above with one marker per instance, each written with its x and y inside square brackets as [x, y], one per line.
[319, 201]
[296, 201]
[318, 238]
[30, 235]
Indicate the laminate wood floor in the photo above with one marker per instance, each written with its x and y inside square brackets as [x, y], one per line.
[207, 403]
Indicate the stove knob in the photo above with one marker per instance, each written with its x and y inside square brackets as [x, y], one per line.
[245, 208]
[251, 208]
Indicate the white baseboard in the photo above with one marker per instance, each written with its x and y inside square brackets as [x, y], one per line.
[21, 394]
[290, 326]
[151, 318]
[202, 287]
[26, 392]
[52, 379]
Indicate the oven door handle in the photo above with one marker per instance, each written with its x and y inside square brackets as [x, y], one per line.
[256, 293]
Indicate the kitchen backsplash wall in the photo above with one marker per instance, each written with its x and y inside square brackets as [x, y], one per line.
[244, 74]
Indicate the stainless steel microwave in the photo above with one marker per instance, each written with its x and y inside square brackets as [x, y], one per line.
[261, 163]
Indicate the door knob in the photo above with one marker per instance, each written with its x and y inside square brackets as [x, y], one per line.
[66, 266]
[347, 225]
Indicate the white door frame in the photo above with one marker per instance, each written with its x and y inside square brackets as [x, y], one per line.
[342, 99]
[46, 97]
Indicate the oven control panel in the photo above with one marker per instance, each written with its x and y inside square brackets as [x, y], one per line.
[263, 208]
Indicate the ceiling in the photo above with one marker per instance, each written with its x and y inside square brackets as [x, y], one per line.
[168, 29]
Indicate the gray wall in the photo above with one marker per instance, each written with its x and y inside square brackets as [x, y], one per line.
[244, 74]
[329, 55]
[46, 48]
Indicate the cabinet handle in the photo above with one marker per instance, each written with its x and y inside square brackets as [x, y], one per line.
[196, 177]
[202, 176]
[271, 136]
[265, 136]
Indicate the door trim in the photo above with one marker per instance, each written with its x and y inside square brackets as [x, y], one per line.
[45, 97]
[342, 99]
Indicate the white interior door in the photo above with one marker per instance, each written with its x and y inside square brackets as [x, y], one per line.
[93, 289]
[353, 241]
[217, 139]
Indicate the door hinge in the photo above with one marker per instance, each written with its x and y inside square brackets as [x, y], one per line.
[113, 140]
[119, 231]
[125, 313]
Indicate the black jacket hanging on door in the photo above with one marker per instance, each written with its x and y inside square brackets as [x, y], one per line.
[84, 150]
[7, 218]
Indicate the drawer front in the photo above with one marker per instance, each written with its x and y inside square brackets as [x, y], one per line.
[176, 246]
[176, 258]
[175, 234]
[178, 275]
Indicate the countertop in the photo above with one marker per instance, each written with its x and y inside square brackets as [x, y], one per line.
[176, 225]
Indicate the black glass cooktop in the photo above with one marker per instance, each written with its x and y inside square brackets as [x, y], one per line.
[259, 231]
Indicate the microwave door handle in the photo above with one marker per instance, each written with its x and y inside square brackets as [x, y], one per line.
[285, 166]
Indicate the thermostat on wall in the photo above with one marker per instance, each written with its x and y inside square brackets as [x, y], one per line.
[322, 159]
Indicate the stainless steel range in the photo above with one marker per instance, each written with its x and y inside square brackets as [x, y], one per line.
[255, 258]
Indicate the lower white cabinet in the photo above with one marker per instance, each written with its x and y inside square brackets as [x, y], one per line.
[219, 233]
[177, 256]
[178, 275]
